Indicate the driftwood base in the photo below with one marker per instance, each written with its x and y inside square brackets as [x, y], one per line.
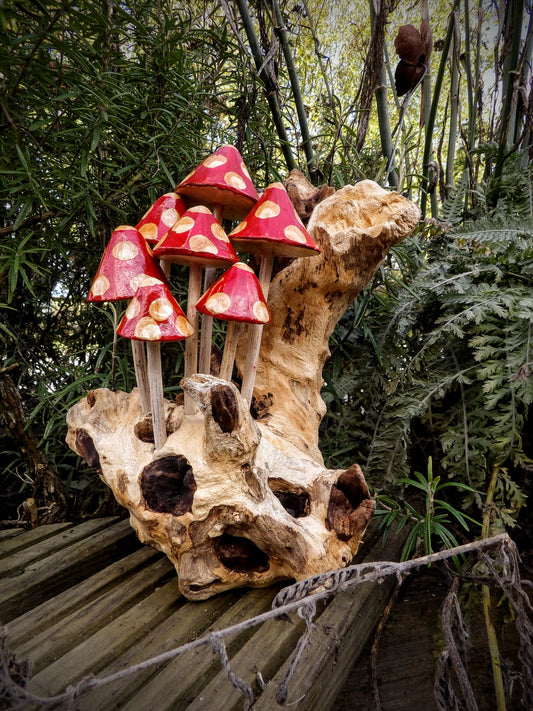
[228, 501]
[233, 501]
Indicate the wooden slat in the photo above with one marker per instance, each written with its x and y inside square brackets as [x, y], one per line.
[57, 640]
[48, 576]
[7, 533]
[184, 677]
[18, 538]
[96, 652]
[188, 622]
[48, 613]
[348, 619]
[46, 544]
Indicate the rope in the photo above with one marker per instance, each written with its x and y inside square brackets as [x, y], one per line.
[300, 597]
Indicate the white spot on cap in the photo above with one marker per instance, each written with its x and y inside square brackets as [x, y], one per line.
[125, 251]
[100, 285]
[218, 303]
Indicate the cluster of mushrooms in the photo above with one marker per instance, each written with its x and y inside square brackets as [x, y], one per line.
[185, 227]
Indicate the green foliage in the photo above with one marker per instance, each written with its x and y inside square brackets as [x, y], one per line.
[104, 108]
[444, 368]
[433, 523]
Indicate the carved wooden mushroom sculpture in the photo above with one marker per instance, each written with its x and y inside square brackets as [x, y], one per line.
[126, 261]
[271, 228]
[222, 183]
[234, 500]
[237, 298]
[196, 240]
[153, 315]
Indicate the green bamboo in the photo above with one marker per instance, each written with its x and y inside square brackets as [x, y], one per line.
[433, 110]
[509, 72]
[297, 94]
[454, 109]
[492, 638]
[271, 91]
[382, 106]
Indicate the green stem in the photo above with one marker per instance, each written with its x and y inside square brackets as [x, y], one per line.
[383, 117]
[485, 597]
[509, 94]
[297, 94]
[433, 111]
[271, 91]
[454, 109]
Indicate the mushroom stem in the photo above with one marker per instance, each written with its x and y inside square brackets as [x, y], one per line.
[141, 374]
[156, 393]
[191, 344]
[204, 365]
[165, 267]
[256, 332]
[230, 348]
[206, 336]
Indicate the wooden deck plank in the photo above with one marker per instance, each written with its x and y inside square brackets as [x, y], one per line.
[15, 539]
[188, 622]
[104, 608]
[46, 577]
[336, 640]
[73, 599]
[45, 545]
[272, 643]
[57, 640]
[184, 677]
[96, 652]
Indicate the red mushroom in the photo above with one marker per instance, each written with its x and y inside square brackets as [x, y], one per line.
[271, 228]
[153, 315]
[235, 297]
[197, 240]
[157, 221]
[126, 261]
[222, 183]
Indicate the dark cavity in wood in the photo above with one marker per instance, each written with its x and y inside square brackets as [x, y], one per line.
[144, 430]
[224, 408]
[168, 485]
[296, 504]
[240, 554]
[344, 515]
[85, 447]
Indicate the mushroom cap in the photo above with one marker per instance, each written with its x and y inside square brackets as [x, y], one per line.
[273, 226]
[126, 261]
[154, 315]
[221, 179]
[196, 238]
[157, 221]
[236, 296]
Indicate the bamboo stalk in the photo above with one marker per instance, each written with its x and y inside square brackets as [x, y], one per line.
[256, 332]
[296, 94]
[191, 344]
[486, 603]
[509, 95]
[271, 89]
[155, 379]
[430, 125]
[454, 110]
[230, 348]
[382, 107]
